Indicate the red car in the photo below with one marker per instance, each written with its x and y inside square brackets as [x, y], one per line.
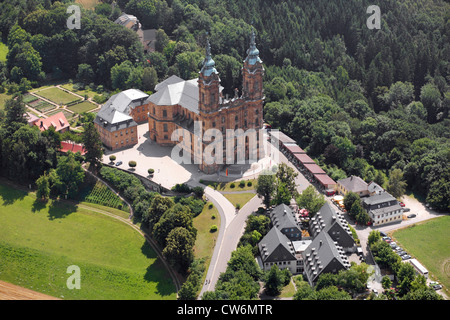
[401, 204]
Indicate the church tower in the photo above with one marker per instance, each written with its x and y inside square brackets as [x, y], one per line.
[208, 84]
[253, 73]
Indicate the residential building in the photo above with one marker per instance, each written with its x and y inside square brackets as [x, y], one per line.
[57, 121]
[128, 21]
[283, 218]
[146, 36]
[276, 249]
[118, 118]
[323, 255]
[328, 220]
[383, 208]
[352, 184]
[374, 188]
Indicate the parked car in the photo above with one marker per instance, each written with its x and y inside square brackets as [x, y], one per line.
[383, 234]
[401, 204]
[401, 253]
[437, 287]
[406, 209]
[406, 257]
[412, 215]
[118, 163]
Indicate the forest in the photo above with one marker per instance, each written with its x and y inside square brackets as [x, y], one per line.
[360, 101]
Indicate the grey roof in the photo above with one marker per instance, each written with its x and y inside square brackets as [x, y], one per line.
[275, 246]
[125, 18]
[332, 222]
[114, 114]
[283, 217]
[322, 252]
[374, 188]
[175, 90]
[386, 209]
[379, 199]
[353, 183]
[126, 100]
[114, 120]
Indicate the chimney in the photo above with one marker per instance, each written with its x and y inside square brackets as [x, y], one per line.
[42, 124]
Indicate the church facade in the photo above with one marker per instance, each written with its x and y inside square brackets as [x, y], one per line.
[203, 119]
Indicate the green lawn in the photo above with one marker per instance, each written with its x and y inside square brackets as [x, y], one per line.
[82, 107]
[239, 198]
[429, 242]
[204, 245]
[38, 242]
[3, 51]
[57, 96]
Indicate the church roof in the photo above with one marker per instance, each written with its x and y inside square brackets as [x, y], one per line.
[175, 90]
[253, 52]
[208, 63]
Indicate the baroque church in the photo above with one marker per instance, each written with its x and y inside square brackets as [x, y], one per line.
[194, 115]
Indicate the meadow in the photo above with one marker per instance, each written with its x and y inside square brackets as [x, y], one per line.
[39, 241]
[428, 242]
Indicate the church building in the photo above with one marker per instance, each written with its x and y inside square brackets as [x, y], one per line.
[210, 130]
[196, 106]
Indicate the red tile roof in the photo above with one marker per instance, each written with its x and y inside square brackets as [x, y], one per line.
[304, 158]
[295, 149]
[66, 146]
[58, 121]
[325, 180]
[314, 168]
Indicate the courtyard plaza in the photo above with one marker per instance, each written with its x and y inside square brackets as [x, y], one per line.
[168, 173]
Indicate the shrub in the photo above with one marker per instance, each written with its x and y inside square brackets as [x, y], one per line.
[232, 185]
[213, 228]
[210, 206]
[242, 184]
[238, 205]
[198, 191]
[249, 184]
[112, 158]
[132, 163]
[151, 171]
[213, 216]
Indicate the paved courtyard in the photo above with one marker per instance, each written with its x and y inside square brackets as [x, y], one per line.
[168, 172]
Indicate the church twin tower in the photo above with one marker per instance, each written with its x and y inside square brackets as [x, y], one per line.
[243, 111]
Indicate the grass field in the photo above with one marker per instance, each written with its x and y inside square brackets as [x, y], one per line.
[239, 198]
[38, 242]
[429, 242]
[57, 96]
[3, 51]
[82, 107]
